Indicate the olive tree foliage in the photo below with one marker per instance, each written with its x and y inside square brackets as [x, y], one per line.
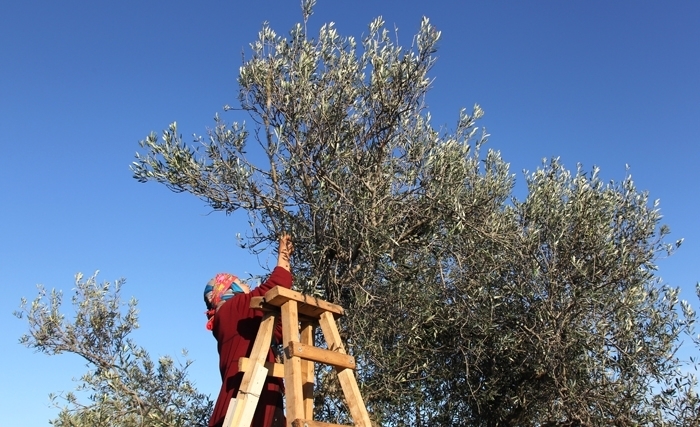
[465, 306]
[583, 326]
[124, 386]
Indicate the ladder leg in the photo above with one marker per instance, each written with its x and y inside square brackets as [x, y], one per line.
[307, 372]
[246, 402]
[239, 410]
[346, 376]
[292, 365]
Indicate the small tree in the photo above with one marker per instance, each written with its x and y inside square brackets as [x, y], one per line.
[465, 305]
[125, 387]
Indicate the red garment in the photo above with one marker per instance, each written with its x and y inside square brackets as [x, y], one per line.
[235, 328]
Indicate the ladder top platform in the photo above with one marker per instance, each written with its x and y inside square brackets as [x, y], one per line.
[307, 305]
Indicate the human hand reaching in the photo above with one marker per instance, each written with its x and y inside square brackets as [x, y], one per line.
[284, 251]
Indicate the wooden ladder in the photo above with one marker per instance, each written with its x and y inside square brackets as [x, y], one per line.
[300, 313]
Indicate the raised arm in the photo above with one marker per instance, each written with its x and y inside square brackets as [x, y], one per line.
[284, 252]
[281, 275]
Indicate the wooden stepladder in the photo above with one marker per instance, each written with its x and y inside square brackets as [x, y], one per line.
[300, 314]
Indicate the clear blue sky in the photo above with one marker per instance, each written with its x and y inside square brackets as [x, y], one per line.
[81, 82]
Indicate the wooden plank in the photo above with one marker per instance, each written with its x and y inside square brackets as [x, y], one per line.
[292, 365]
[244, 408]
[307, 371]
[346, 376]
[331, 333]
[320, 355]
[258, 355]
[261, 346]
[258, 303]
[356, 404]
[275, 370]
[308, 305]
[231, 411]
[312, 423]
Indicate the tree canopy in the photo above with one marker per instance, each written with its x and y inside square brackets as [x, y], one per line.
[466, 304]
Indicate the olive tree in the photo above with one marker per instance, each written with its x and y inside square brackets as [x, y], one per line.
[125, 387]
[465, 305]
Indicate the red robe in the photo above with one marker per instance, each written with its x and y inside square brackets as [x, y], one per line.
[235, 328]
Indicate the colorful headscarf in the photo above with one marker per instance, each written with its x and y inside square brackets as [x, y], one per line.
[222, 287]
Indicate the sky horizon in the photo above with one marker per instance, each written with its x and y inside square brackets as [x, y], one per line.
[597, 83]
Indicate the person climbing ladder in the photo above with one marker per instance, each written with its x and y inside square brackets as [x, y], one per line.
[234, 325]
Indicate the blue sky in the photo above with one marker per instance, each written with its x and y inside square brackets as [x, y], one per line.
[597, 82]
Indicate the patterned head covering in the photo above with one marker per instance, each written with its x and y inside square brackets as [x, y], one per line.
[222, 287]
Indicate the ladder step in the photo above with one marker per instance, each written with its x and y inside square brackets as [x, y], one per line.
[320, 355]
[308, 313]
[273, 369]
[307, 305]
[311, 423]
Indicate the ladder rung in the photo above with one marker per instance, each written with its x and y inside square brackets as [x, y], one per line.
[308, 305]
[311, 423]
[273, 369]
[320, 355]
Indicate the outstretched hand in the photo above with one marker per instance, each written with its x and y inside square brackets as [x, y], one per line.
[285, 250]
